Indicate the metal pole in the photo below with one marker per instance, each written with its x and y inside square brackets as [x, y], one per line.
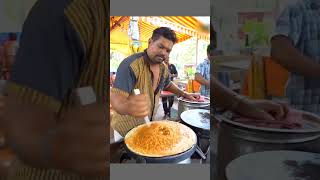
[197, 51]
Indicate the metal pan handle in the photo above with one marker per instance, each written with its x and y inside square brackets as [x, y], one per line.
[199, 151]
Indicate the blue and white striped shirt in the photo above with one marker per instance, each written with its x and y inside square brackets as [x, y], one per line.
[204, 69]
[301, 23]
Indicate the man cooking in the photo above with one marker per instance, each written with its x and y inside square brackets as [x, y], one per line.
[147, 72]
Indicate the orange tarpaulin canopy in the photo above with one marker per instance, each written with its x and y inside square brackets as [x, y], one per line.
[184, 26]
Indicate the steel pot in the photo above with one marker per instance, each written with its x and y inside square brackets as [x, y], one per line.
[236, 139]
[193, 119]
[184, 105]
[167, 159]
[283, 165]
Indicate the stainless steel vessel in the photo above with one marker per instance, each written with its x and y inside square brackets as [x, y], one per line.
[236, 139]
[185, 105]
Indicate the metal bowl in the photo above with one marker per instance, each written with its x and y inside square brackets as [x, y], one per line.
[184, 105]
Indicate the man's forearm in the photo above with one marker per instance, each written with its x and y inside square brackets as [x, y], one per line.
[27, 133]
[174, 89]
[223, 96]
[35, 149]
[289, 57]
[119, 103]
[201, 80]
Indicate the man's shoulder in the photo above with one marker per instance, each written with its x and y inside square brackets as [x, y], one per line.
[132, 59]
[204, 63]
[50, 8]
[88, 4]
[57, 8]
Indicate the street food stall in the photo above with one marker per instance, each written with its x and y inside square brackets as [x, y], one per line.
[178, 140]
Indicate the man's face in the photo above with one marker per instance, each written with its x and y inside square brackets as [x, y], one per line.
[210, 56]
[159, 50]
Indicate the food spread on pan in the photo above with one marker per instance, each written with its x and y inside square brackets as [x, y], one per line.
[160, 139]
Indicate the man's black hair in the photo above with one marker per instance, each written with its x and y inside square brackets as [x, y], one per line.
[164, 32]
[210, 49]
